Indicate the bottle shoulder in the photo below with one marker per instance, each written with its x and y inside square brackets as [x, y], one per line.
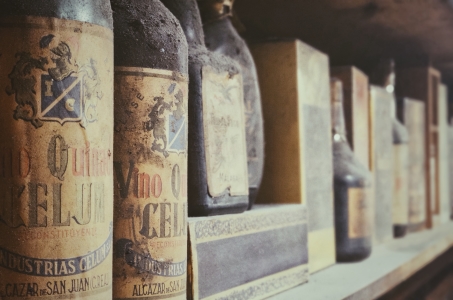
[222, 37]
[188, 15]
[148, 35]
[200, 56]
[98, 12]
[347, 168]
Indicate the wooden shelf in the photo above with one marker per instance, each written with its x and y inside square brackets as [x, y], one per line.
[388, 266]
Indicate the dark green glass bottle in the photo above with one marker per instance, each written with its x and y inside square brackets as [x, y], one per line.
[222, 37]
[352, 195]
[217, 171]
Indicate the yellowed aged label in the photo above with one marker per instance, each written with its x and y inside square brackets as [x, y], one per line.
[224, 133]
[150, 164]
[56, 142]
[359, 213]
[400, 209]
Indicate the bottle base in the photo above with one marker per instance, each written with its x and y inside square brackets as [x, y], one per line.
[399, 231]
[253, 193]
[353, 250]
[215, 210]
[353, 256]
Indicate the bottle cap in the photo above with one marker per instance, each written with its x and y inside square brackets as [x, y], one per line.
[337, 115]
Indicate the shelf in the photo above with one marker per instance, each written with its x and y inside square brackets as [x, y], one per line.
[388, 266]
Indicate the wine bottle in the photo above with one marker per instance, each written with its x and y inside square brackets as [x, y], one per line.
[356, 106]
[352, 183]
[217, 160]
[56, 144]
[222, 37]
[384, 75]
[150, 152]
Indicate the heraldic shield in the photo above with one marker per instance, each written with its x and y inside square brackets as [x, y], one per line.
[176, 134]
[61, 101]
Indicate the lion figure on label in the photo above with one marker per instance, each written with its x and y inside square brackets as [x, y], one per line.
[157, 122]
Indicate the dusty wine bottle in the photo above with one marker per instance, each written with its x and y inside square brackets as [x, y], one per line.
[150, 152]
[384, 75]
[222, 37]
[352, 183]
[217, 160]
[56, 144]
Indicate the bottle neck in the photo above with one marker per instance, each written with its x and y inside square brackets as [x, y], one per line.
[213, 10]
[338, 122]
[337, 112]
[384, 75]
[142, 40]
[389, 86]
[188, 15]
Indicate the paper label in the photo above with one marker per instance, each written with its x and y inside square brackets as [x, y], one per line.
[381, 141]
[317, 166]
[56, 143]
[359, 213]
[415, 124]
[150, 164]
[224, 133]
[401, 185]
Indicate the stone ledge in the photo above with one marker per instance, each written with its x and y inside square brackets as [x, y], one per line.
[389, 265]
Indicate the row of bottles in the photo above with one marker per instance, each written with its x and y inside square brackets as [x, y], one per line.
[122, 118]
[379, 184]
[410, 185]
[356, 205]
[103, 158]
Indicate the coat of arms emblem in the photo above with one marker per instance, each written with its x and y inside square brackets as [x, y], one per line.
[168, 123]
[54, 87]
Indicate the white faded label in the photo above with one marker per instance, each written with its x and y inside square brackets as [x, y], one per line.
[401, 185]
[224, 133]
